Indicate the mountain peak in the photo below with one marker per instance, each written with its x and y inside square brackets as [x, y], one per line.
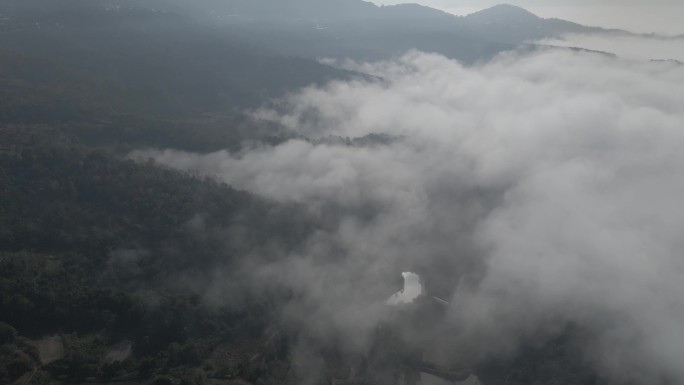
[413, 10]
[503, 13]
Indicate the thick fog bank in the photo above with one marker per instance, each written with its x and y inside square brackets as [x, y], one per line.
[529, 192]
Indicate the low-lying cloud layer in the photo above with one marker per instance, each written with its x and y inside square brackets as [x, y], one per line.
[531, 191]
[632, 47]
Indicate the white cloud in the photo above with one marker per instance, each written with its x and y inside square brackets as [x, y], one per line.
[630, 47]
[545, 187]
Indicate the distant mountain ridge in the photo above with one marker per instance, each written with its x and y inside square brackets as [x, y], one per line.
[503, 14]
[313, 29]
[499, 19]
[509, 23]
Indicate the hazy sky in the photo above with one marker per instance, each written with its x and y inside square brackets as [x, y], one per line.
[661, 16]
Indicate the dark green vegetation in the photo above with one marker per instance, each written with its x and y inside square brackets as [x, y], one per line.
[99, 250]
[108, 267]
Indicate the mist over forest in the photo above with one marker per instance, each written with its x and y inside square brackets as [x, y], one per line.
[315, 192]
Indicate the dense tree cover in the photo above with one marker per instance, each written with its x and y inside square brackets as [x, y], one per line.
[96, 249]
[17, 357]
[137, 62]
[168, 331]
[550, 361]
[63, 199]
[206, 133]
[138, 78]
[92, 248]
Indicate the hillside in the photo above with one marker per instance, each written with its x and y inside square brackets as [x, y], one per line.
[116, 269]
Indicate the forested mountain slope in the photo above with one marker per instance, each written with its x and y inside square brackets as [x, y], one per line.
[119, 271]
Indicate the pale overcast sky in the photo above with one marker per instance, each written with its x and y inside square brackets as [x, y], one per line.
[660, 16]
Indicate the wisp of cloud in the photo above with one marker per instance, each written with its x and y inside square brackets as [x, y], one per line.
[633, 47]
